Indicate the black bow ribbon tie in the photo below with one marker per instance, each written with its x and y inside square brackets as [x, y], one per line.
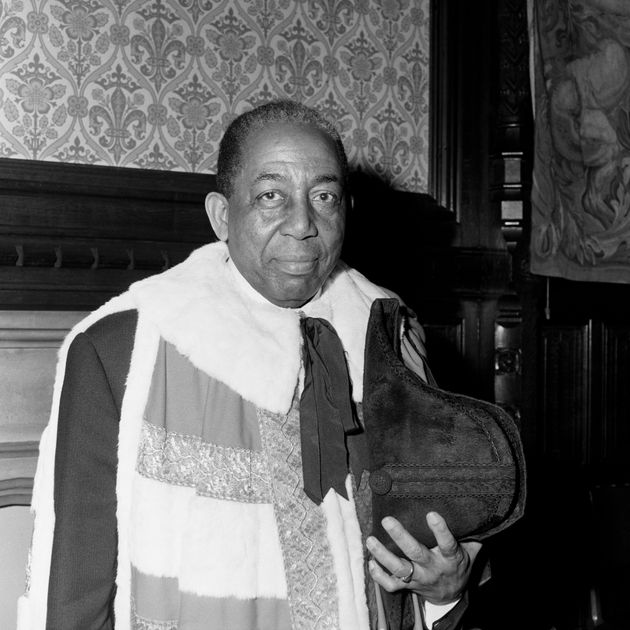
[326, 411]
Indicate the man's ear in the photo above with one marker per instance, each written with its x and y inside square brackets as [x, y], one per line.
[217, 210]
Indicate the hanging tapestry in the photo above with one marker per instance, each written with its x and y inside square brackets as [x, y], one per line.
[581, 88]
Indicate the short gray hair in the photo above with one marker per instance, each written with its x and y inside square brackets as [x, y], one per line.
[230, 157]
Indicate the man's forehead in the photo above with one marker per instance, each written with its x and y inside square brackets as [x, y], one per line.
[277, 133]
[277, 149]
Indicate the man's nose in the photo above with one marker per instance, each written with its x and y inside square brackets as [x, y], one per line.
[299, 222]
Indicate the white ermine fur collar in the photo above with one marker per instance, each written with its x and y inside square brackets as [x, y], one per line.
[213, 317]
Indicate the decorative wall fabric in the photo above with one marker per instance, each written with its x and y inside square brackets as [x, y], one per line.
[153, 83]
[581, 193]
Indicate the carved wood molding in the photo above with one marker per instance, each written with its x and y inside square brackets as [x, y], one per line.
[17, 491]
[104, 181]
[72, 235]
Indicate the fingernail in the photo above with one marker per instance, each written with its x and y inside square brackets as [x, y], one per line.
[388, 522]
[432, 518]
[369, 543]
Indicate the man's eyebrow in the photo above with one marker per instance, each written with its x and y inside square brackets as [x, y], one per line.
[327, 179]
[324, 178]
[269, 177]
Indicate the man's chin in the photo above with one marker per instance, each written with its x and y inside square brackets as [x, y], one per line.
[295, 292]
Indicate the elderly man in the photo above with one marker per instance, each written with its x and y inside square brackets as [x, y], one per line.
[190, 488]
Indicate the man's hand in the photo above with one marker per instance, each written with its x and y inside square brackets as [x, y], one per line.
[439, 574]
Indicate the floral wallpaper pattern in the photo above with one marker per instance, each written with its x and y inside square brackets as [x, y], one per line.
[152, 83]
[581, 184]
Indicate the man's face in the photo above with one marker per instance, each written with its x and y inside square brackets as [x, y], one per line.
[286, 216]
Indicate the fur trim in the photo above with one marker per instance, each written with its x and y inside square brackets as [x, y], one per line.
[134, 402]
[158, 518]
[166, 517]
[352, 294]
[344, 537]
[221, 331]
[356, 554]
[248, 553]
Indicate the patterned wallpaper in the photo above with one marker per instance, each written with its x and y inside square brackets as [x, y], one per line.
[153, 83]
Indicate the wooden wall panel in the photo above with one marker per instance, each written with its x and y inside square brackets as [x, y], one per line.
[584, 371]
[613, 426]
[566, 400]
[29, 341]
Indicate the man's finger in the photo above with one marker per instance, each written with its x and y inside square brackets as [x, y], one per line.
[405, 541]
[389, 582]
[446, 542]
[472, 548]
[393, 563]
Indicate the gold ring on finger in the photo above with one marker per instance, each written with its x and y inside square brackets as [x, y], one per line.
[407, 578]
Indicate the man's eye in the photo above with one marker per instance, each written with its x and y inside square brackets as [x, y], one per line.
[270, 198]
[326, 198]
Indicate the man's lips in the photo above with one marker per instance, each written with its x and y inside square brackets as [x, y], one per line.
[297, 266]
